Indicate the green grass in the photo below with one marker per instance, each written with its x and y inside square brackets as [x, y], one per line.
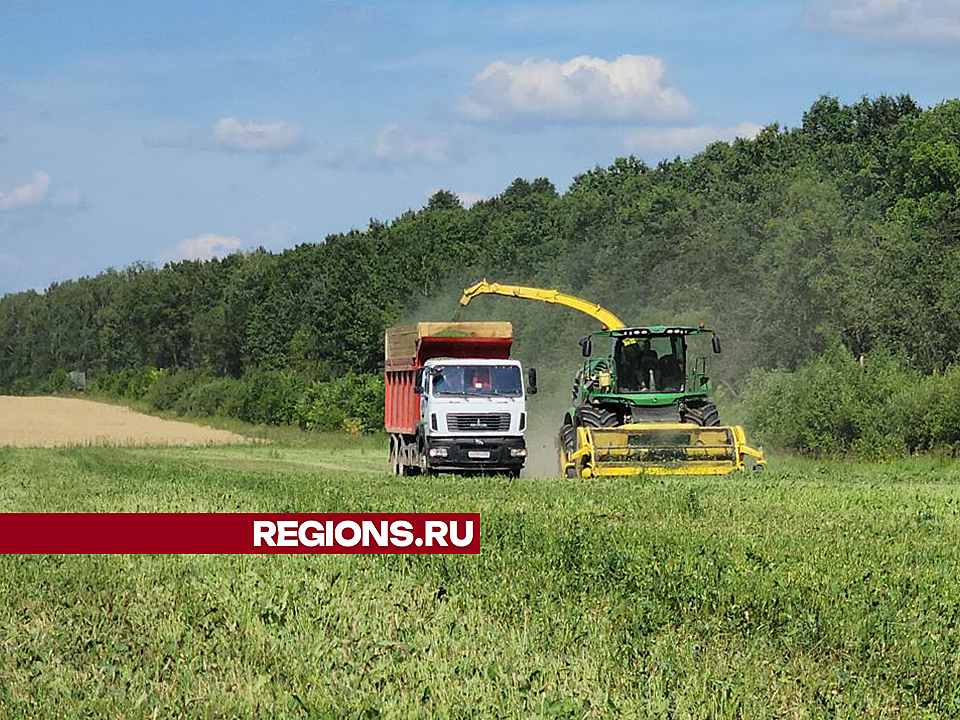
[812, 590]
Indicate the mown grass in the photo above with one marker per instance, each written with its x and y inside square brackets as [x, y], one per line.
[814, 590]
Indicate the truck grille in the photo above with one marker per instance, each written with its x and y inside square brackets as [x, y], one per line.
[464, 422]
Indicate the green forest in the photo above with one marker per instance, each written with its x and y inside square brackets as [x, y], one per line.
[824, 252]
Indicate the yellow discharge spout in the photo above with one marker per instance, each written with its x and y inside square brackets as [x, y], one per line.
[597, 312]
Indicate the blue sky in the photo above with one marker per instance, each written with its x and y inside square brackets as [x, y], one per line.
[151, 132]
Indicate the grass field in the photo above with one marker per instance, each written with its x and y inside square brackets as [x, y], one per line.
[813, 590]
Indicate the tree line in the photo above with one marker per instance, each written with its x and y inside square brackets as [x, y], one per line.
[841, 231]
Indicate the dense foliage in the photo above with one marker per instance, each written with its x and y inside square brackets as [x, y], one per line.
[836, 405]
[842, 231]
[266, 397]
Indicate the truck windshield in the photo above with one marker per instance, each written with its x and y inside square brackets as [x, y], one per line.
[501, 380]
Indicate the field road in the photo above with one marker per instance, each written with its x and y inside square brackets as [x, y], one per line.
[59, 422]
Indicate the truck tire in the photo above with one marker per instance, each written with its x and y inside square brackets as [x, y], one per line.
[705, 414]
[394, 456]
[405, 458]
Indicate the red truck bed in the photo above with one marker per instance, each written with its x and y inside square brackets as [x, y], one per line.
[408, 347]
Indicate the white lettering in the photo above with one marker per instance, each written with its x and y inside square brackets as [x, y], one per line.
[467, 533]
[287, 533]
[435, 530]
[347, 525]
[402, 533]
[370, 531]
[263, 532]
[310, 539]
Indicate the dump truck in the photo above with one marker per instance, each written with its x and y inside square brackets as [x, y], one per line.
[640, 403]
[455, 400]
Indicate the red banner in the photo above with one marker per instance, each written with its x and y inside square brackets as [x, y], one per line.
[239, 533]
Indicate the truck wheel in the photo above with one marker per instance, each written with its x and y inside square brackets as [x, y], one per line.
[705, 414]
[396, 462]
[405, 466]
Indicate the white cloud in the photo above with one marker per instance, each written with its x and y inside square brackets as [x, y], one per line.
[668, 140]
[230, 134]
[395, 143]
[275, 236]
[202, 247]
[467, 198]
[899, 20]
[32, 193]
[585, 88]
[235, 135]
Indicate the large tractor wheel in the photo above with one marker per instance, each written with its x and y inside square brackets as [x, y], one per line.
[594, 416]
[585, 416]
[705, 414]
[566, 439]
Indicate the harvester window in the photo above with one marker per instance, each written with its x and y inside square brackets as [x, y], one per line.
[668, 374]
[653, 364]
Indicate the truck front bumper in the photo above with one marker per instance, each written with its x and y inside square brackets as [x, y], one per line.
[476, 453]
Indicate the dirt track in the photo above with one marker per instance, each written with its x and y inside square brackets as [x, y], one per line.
[56, 422]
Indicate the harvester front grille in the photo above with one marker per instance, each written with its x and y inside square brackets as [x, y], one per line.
[465, 422]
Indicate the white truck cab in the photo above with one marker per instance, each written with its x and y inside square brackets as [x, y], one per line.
[473, 414]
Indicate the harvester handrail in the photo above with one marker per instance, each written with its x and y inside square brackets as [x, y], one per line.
[597, 312]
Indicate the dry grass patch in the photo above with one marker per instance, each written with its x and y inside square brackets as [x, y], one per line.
[59, 422]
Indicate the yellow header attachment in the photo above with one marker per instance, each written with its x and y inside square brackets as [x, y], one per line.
[601, 314]
[659, 449]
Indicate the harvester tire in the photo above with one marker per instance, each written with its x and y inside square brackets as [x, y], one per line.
[705, 415]
[594, 416]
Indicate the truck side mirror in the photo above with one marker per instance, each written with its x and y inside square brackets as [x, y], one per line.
[418, 382]
[716, 344]
[532, 381]
[586, 346]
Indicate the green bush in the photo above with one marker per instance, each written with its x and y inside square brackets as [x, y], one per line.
[836, 405]
[207, 396]
[104, 383]
[167, 388]
[57, 382]
[138, 382]
[352, 402]
[272, 396]
[234, 399]
[927, 415]
[130, 383]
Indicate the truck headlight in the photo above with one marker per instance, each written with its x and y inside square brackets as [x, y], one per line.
[438, 452]
[518, 452]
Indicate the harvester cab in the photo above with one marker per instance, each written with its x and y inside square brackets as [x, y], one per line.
[647, 374]
[640, 399]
